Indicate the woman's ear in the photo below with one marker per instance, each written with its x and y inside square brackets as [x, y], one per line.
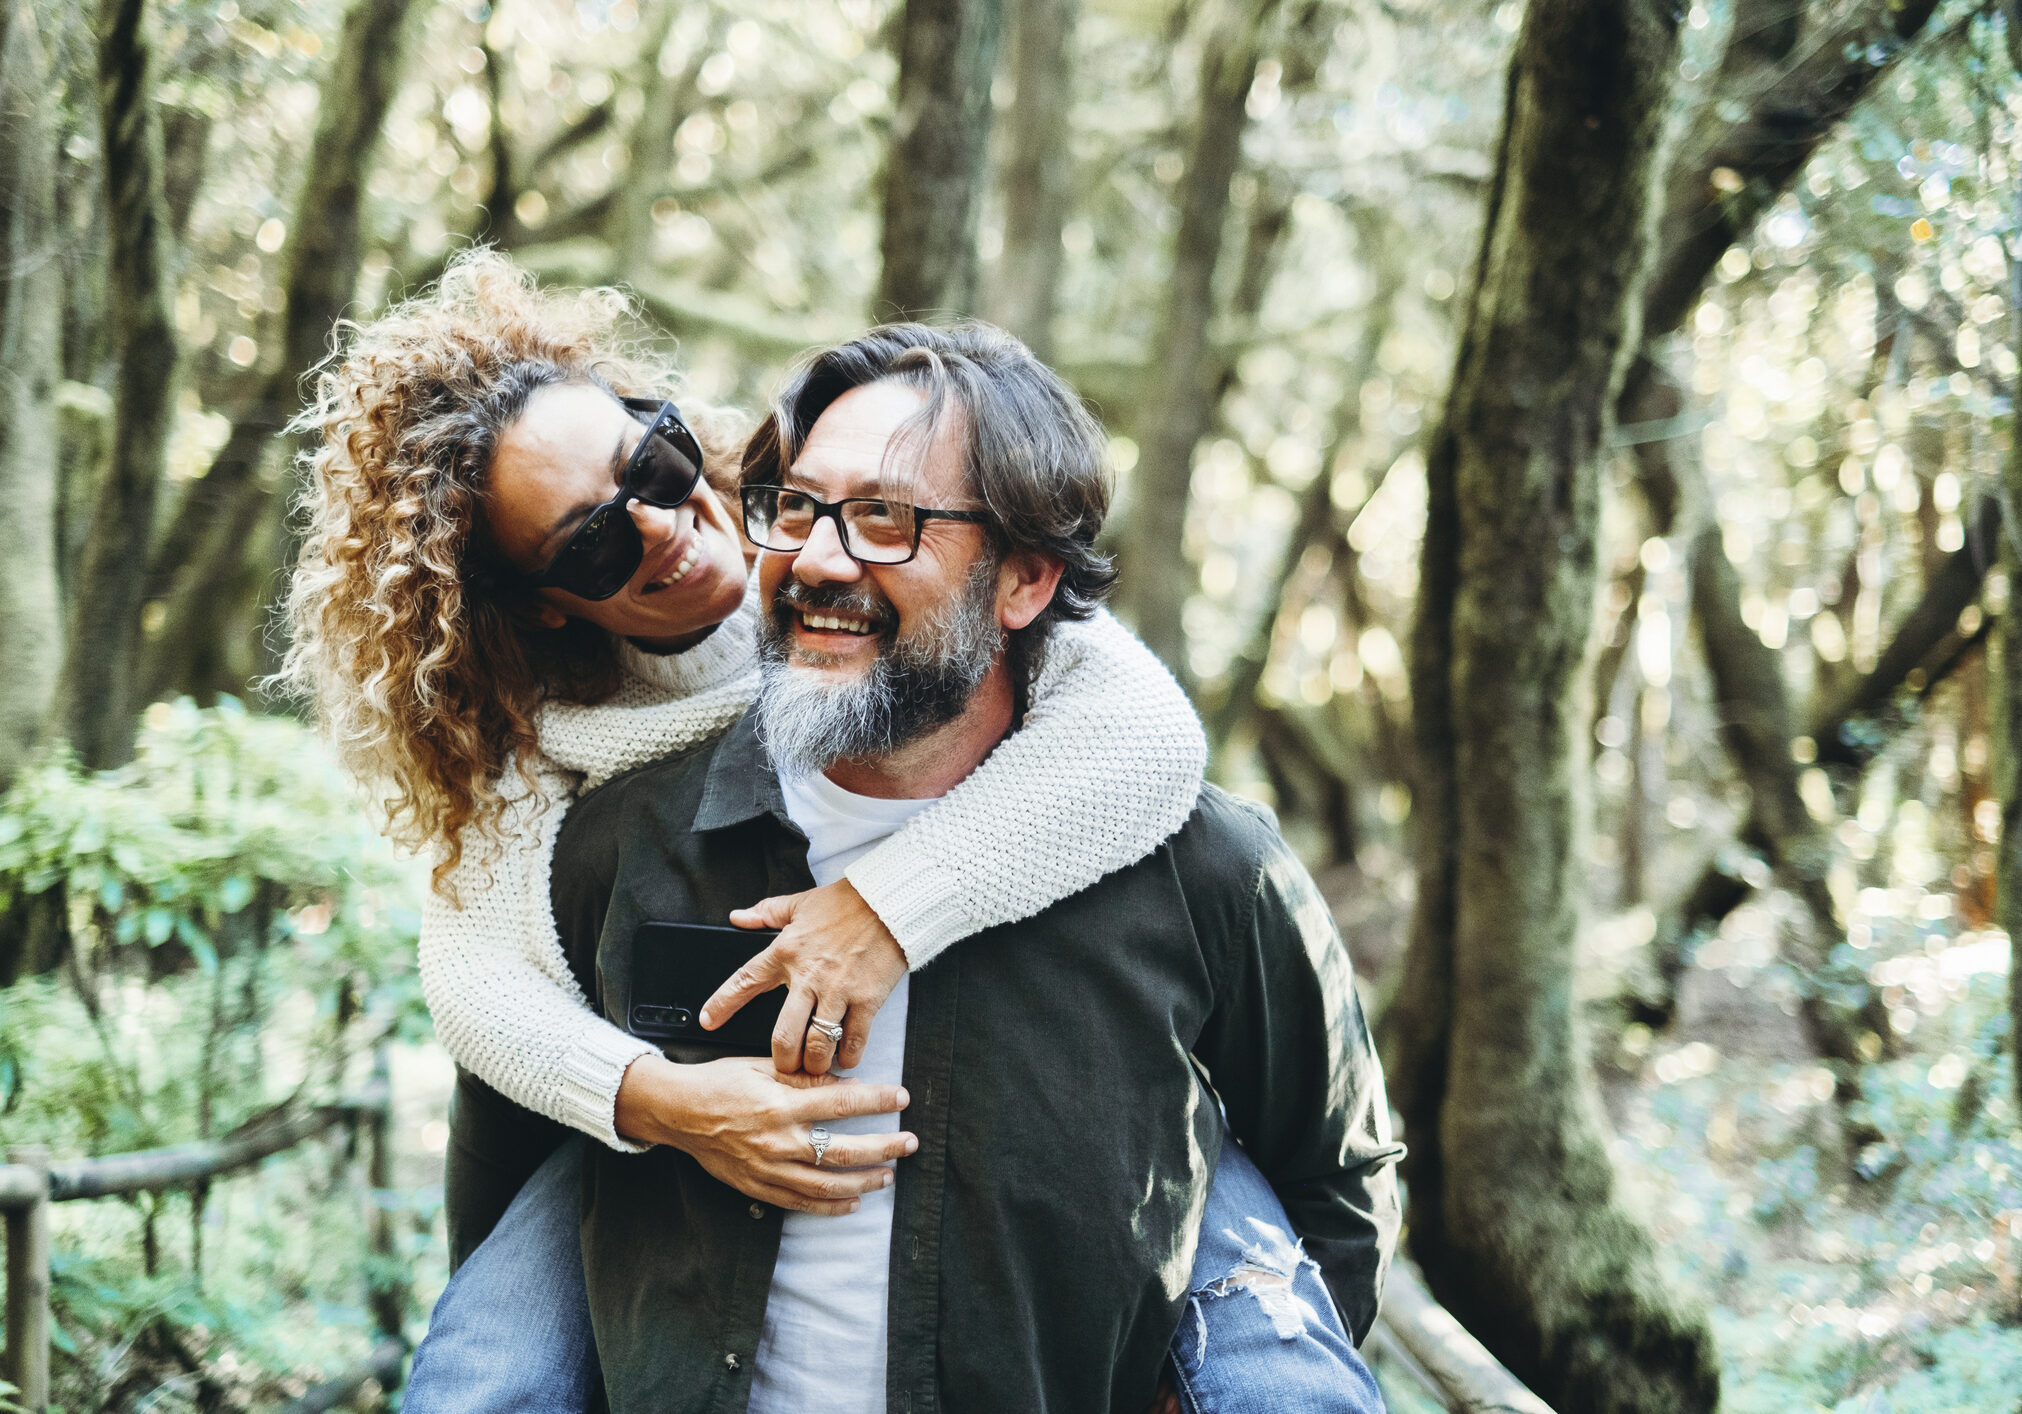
[1025, 585]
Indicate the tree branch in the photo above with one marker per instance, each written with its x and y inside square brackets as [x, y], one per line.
[1790, 97]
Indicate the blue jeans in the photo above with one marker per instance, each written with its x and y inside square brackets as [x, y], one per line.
[1259, 1331]
[511, 1333]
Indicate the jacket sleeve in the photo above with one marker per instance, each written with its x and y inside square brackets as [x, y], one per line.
[1106, 766]
[506, 1005]
[1289, 1052]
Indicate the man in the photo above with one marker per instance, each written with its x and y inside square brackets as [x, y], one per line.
[1067, 1073]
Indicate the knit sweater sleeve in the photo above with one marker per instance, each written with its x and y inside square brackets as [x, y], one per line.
[499, 986]
[1106, 766]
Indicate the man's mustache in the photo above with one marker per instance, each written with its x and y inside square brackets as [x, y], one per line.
[827, 598]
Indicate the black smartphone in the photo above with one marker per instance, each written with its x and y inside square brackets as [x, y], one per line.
[676, 967]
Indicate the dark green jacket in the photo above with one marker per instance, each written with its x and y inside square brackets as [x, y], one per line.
[1044, 1232]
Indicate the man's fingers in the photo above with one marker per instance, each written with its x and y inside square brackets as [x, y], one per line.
[774, 912]
[794, 1202]
[821, 1051]
[791, 1032]
[756, 977]
[854, 1098]
[856, 1151]
[856, 1037]
[827, 1185]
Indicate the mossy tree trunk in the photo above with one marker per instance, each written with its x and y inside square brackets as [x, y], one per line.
[31, 300]
[1513, 1206]
[1158, 581]
[201, 564]
[939, 157]
[99, 698]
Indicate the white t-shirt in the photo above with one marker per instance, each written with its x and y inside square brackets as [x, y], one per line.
[823, 1343]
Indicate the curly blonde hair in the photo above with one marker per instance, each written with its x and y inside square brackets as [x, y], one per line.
[427, 682]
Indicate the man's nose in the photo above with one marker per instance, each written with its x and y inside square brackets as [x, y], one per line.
[822, 560]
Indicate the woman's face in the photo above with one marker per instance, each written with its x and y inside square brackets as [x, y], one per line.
[562, 460]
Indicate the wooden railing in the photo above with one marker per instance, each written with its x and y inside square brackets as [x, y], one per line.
[30, 1183]
[1422, 1337]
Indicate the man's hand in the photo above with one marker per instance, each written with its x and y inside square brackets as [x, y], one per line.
[839, 962]
[750, 1127]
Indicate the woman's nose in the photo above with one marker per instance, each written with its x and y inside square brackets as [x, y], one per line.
[653, 522]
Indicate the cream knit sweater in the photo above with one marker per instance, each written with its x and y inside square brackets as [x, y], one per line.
[1106, 765]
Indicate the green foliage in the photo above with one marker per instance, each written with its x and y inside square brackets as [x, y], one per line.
[214, 931]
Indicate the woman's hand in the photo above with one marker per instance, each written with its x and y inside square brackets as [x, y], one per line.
[750, 1127]
[839, 962]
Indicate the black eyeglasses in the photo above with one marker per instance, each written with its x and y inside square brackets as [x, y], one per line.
[606, 549]
[874, 532]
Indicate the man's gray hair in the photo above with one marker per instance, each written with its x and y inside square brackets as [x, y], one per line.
[1033, 454]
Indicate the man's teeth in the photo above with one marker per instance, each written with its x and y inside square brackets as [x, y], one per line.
[837, 622]
[678, 573]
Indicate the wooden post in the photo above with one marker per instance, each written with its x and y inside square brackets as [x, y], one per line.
[27, 1367]
[387, 1287]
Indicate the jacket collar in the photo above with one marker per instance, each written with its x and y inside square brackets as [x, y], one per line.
[742, 783]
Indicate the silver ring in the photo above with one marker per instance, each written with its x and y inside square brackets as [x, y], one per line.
[821, 1139]
[831, 1029]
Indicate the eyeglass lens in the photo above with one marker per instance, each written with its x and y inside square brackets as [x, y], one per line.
[877, 532]
[664, 471]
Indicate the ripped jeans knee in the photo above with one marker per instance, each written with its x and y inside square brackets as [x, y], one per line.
[1267, 1274]
[1259, 1330]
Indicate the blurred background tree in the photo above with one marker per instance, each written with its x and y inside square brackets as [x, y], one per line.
[1575, 482]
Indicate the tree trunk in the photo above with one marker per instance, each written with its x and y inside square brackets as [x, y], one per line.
[202, 554]
[1158, 581]
[1038, 172]
[2008, 696]
[1872, 714]
[1513, 1212]
[31, 296]
[669, 97]
[1316, 518]
[99, 703]
[1843, 1019]
[938, 162]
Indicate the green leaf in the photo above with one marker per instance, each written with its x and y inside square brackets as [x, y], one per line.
[198, 942]
[235, 893]
[159, 924]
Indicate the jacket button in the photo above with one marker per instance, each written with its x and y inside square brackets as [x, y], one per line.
[730, 1361]
[757, 1211]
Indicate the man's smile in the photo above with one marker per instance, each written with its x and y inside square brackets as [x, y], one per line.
[838, 621]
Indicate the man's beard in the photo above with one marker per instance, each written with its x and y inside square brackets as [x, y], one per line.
[917, 682]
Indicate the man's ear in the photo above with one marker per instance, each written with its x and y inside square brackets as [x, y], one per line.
[1025, 584]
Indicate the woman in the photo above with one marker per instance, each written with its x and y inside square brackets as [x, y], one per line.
[516, 586]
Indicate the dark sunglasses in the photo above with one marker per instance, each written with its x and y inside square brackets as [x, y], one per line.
[604, 553]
